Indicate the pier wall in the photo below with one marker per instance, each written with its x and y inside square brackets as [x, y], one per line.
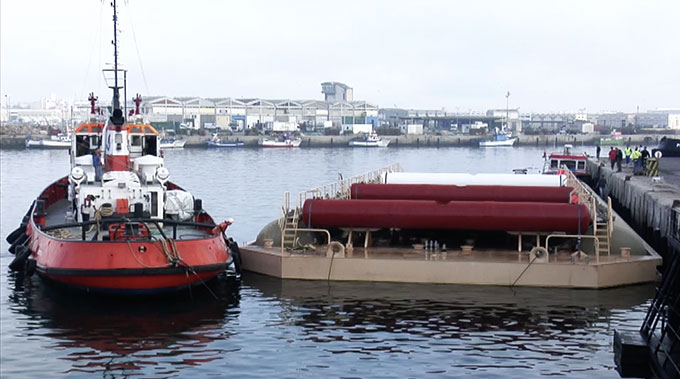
[645, 202]
[431, 140]
[14, 138]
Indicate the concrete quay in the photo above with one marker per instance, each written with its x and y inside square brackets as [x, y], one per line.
[647, 203]
[432, 140]
[13, 137]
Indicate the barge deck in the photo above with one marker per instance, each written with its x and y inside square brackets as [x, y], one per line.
[609, 254]
[484, 267]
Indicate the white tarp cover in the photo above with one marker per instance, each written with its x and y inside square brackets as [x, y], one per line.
[180, 203]
[462, 179]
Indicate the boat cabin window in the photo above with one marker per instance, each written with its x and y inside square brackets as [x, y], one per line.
[150, 145]
[554, 163]
[135, 144]
[581, 166]
[86, 144]
[571, 165]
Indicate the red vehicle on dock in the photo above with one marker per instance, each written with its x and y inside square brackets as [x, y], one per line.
[116, 224]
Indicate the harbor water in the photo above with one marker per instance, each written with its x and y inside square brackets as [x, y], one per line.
[266, 327]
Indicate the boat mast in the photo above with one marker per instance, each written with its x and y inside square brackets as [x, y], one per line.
[116, 153]
[117, 118]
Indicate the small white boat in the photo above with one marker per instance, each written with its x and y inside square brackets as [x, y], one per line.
[216, 141]
[60, 141]
[500, 140]
[172, 143]
[283, 141]
[370, 140]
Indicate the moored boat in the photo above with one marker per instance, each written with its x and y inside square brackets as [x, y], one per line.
[499, 140]
[386, 225]
[215, 141]
[172, 143]
[280, 141]
[668, 147]
[59, 141]
[369, 140]
[555, 163]
[116, 223]
[614, 139]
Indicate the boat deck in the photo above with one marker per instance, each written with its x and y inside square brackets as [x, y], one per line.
[478, 267]
[59, 214]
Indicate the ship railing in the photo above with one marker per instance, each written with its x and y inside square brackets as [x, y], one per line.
[594, 238]
[588, 197]
[160, 224]
[288, 224]
[341, 188]
[285, 209]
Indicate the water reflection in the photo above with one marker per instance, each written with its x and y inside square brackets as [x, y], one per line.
[121, 336]
[480, 329]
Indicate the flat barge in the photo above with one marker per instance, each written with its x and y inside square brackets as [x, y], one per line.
[603, 252]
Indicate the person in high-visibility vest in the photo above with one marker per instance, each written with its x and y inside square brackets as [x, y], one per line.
[628, 151]
[637, 161]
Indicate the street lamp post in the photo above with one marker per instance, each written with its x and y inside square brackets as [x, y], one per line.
[7, 98]
[507, 109]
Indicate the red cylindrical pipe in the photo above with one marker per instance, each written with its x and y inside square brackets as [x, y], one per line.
[455, 215]
[446, 193]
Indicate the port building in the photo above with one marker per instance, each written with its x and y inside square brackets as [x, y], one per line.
[337, 110]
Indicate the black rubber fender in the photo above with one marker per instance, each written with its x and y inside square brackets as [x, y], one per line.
[19, 261]
[29, 269]
[236, 254]
[18, 232]
[22, 227]
[21, 241]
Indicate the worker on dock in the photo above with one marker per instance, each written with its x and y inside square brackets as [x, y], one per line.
[645, 157]
[637, 162]
[629, 153]
[619, 159]
[612, 156]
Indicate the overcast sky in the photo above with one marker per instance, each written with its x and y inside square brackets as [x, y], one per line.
[550, 55]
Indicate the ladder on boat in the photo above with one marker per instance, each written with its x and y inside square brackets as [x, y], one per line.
[601, 216]
[288, 223]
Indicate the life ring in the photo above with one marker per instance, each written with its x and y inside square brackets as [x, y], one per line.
[540, 253]
[336, 247]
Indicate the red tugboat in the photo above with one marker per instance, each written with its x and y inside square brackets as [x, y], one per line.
[116, 224]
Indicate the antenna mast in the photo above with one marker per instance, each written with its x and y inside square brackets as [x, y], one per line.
[116, 95]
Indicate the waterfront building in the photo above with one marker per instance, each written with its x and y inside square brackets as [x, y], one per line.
[335, 92]
[548, 122]
[437, 120]
[510, 118]
[239, 114]
[613, 120]
[674, 121]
